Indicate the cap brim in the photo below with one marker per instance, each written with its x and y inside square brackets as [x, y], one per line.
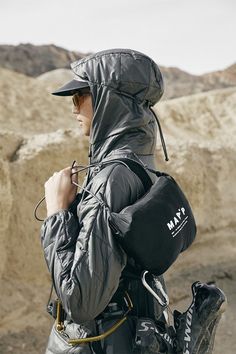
[71, 88]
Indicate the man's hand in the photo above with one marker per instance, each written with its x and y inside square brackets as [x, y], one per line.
[59, 191]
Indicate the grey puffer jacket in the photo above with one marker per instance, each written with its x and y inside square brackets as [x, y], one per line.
[82, 255]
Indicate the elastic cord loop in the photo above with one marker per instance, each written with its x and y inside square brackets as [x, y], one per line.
[36, 208]
[86, 190]
[81, 168]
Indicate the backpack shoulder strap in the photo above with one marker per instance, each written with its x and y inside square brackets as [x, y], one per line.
[139, 170]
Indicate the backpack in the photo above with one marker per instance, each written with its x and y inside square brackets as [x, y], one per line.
[158, 226]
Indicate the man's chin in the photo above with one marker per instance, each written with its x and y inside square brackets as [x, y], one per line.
[86, 133]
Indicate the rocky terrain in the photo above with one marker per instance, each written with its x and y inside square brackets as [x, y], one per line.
[34, 60]
[38, 136]
[180, 83]
[26, 105]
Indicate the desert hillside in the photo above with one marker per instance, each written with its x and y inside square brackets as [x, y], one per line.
[27, 106]
[180, 83]
[38, 136]
[33, 60]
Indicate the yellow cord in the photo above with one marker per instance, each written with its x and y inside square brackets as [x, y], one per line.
[59, 325]
[101, 336]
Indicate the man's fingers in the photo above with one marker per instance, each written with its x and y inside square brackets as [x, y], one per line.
[68, 172]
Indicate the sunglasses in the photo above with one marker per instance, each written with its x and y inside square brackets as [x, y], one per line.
[76, 98]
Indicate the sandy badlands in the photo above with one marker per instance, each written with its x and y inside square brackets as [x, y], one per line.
[38, 136]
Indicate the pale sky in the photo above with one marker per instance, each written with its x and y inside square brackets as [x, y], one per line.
[197, 36]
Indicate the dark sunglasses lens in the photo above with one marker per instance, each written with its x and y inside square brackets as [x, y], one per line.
[75, 99]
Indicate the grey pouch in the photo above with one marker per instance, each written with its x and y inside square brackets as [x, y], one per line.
[58, 342]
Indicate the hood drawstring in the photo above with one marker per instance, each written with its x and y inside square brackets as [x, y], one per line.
[158, 123]
[161, 136]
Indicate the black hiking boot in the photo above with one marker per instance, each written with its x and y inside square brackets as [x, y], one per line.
[195, 328]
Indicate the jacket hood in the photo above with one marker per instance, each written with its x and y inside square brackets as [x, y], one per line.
[124, 85]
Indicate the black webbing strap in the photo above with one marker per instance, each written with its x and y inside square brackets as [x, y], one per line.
[139, 171]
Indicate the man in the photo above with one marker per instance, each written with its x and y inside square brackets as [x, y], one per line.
[95, 281]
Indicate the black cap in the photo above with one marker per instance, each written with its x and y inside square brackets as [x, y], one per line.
[71, 87]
